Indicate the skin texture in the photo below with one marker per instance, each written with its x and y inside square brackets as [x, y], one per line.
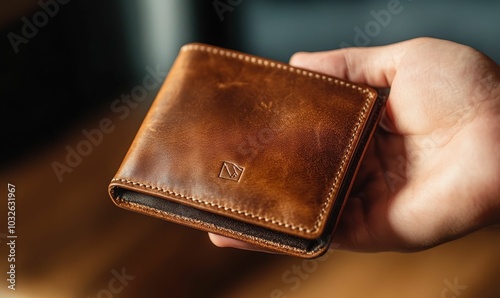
[432, 171]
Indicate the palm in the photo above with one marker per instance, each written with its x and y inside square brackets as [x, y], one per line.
[383, 210]
[418, 185]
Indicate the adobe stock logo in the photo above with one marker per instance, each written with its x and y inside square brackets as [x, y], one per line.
[452, 290]
[94, 137]
[221, 8]
[116, 284]
[298, 274]
[49, 9]
[380, 20]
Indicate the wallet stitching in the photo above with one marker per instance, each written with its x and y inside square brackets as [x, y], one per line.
[272, 64]
[127, 181]
[284, 67]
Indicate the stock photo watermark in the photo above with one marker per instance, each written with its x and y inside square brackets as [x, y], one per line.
[397, 177]
[294, 276]
[11, 236]
[116, 284]
[452, 289]
[94, 137]
[255, 143]
[221, 7]
[48, 9]
[379, 20]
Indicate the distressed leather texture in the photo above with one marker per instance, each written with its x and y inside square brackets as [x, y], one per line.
[249, 148]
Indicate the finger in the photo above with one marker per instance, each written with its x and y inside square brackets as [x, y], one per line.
[222, 241]
[386, 123]
[374, 66]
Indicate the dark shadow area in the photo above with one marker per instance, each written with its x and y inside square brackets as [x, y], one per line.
[56, 70]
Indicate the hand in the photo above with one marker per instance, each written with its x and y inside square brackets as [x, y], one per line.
[432, 171]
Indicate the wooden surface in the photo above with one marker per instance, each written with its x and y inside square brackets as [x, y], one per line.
[73, 241]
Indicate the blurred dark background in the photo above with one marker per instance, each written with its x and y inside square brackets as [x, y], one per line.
[64, 64]
[90, 52]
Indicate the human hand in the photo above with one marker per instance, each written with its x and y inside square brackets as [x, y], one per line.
[432, 171]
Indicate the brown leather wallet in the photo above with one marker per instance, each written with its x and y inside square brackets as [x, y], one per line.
[249, 148]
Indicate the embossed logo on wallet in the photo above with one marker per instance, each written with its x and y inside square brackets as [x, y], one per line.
[231, 171]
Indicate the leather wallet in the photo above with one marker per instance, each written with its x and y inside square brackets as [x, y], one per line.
[249, 148]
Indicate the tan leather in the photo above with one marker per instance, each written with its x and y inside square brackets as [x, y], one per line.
[249, 148]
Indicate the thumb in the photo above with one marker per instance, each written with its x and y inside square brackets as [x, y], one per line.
[374, 66]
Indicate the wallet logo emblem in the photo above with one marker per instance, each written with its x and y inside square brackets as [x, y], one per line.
[231, 171]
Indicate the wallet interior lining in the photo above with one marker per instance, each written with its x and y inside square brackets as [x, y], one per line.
[227, 223]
